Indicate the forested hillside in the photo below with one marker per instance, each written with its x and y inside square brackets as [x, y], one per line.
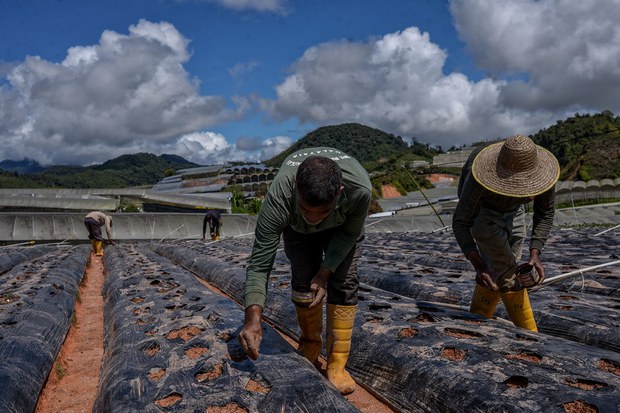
[372, 147]
[125, 171]
[382, 154]
[587, 146]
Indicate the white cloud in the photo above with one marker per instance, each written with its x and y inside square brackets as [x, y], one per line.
[274, 146]
[126, 93]
[545, 61]
[274, 6]
[394, 83]
[210, 148]
[567, 53]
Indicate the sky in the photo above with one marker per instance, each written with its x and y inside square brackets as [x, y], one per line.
[214, 81]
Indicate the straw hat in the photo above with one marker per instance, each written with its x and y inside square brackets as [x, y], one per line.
[516, 167]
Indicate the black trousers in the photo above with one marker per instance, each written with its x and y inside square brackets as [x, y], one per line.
[94, 229]
[306, 252]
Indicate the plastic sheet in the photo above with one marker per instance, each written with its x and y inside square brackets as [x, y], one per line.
[38, 298]
[11, 256]
[171, 345]
[432, 359]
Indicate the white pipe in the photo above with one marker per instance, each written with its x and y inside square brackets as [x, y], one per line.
[20, 244]
[372, 223]
[172, 232]
[607, 230]
[441, 229]
[561, 277]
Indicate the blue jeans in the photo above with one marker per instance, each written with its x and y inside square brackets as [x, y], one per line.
[500, 238]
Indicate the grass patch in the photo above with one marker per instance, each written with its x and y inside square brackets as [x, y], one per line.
[60, 370]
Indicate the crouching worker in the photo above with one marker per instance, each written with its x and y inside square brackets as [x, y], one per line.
[93, 222]
[318, 202]
[489, 222]
[214, 218]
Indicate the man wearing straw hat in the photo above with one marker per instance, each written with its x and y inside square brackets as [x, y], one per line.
[489, 222]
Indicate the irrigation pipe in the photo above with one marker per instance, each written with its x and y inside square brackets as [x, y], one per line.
[564, 276]
[21, 244]
[188, 237]
[607, 230]
[441, 229]
[172, 232]
[242, 235]
[372, 223]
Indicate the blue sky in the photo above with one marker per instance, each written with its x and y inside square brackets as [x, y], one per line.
[213, 81]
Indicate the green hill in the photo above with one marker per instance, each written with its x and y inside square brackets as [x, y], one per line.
[587, 146]
[372, 147]
[125, 171]
[382, 154]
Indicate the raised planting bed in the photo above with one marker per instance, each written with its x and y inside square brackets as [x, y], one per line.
[171, 345]
[425, 357]
[37, 299]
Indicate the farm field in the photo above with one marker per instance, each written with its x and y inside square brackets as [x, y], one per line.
[170, 343]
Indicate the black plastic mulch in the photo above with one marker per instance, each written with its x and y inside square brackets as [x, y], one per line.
[11, 256]
[171, 345]
[37, 300]
[430, 358]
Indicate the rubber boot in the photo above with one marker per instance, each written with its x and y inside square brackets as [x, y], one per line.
[518, 306]
[92, 242]
[484, 301]
[98, 247]
[340, 320]
[311, 323]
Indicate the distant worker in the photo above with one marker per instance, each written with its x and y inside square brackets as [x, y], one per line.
[93, 222]
[318, 202]
[489, 222]
[214, 218]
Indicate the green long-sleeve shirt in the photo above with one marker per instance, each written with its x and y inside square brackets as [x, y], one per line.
[473, 196]
[280, 210]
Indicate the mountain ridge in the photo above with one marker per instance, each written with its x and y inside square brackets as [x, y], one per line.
[587, 147]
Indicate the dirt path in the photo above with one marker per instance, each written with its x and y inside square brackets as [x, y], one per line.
[72, 384]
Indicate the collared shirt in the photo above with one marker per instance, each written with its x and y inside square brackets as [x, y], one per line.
[280, 210]
[473, 196]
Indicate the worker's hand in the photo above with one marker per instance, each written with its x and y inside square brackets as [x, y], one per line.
[484, 277]
[252, 334]
[535, 261]
[319, 286]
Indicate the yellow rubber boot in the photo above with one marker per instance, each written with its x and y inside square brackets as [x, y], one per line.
[311, 323]
[92, 242]
[484, 301]
[340, 320]
[98, 247]
[519, 309]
